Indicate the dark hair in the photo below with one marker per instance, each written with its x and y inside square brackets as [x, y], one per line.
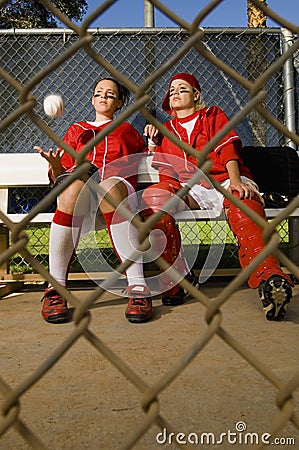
[123, 91]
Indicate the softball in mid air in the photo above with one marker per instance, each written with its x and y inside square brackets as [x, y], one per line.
[53, 105]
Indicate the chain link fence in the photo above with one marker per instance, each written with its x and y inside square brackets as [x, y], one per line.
[240, 70]
[137, 54]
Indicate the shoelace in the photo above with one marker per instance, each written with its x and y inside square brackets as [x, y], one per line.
[139, 301]
[54, 299]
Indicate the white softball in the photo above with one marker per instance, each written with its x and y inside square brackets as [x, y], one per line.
[53, 105]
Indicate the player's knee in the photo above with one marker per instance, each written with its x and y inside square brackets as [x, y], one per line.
[155, 197]
[71, 194]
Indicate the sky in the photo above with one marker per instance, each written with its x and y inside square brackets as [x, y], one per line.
[230, 13]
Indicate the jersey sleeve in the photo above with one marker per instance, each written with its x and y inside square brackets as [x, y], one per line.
[162, 162]
[216, 119]
[229, 152]
[66, 160]
[70, 138]
[136, 141]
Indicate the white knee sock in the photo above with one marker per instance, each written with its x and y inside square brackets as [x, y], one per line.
[125, 240]
[64, 237]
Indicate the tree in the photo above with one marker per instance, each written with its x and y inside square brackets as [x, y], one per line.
[256, 17]
[33, 14]
[256, 59]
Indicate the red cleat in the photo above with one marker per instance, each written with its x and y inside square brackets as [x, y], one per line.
[139, 307]
[55, 308]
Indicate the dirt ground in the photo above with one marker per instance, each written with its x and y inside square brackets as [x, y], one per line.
[84, 402]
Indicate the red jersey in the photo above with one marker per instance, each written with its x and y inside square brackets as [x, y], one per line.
[118, 154]
[206, 124]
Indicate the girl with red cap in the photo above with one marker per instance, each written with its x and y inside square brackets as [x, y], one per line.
[196, 124]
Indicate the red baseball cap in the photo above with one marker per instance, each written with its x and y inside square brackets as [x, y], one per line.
[180, 76]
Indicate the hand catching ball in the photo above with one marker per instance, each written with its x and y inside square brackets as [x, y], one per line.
[53, 105]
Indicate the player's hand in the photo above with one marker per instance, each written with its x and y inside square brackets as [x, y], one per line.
[53, 158]
[245, 191]
[152, 133]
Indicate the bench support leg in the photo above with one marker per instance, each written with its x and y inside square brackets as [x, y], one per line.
[294, 240]
[4, 243]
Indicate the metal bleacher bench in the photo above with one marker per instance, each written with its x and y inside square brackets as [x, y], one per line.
[31, 170]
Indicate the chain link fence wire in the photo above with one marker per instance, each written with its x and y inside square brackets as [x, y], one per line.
[241, 70]
[136, 54]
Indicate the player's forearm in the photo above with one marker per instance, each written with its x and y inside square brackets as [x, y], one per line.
[56, 170]
[232, 168]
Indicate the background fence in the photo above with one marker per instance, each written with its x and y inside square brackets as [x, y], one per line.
[137, 53]
[145, 60]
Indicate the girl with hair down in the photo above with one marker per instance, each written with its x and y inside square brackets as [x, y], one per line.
[114, 165]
